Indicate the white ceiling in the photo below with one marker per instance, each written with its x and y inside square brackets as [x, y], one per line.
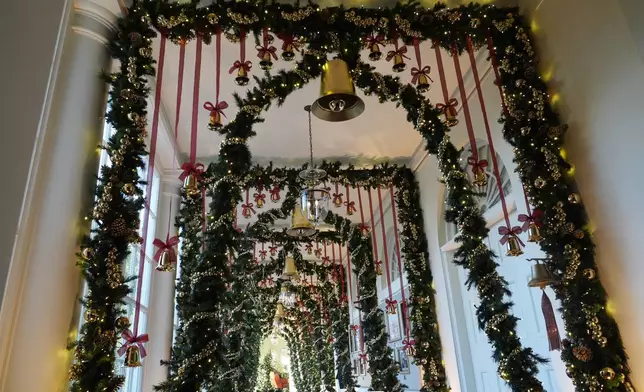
[380, 132]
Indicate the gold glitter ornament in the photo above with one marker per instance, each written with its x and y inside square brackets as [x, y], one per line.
[146, 51]
[122, 323]
[589, 273]
[607, 373]
[582, 353]
[87, 253]
[579, 234]
[539, 182]
[128, 189]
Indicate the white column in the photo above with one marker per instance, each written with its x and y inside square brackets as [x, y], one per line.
[40, 312]
[161, 313]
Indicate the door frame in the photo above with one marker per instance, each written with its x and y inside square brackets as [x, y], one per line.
[455, 289]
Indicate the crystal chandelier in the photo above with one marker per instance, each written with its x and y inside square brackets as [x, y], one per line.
[314, 200]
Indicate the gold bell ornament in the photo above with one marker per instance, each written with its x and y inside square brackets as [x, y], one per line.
[338, 100]
[215, 111]
[266, 53]
[289, 46]
[511, 240]
[531, 224]
[290, 270]
[541, 278]
[165, 262]
[450, 111]
[243, 68]
[478, 171]
[300, 226]
[378, 268]
[133, 356]
[279, 312]
[399, 57]
[373, 42]
[420, 77]
[534, 233]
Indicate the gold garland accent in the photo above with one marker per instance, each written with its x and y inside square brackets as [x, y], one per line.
[505, 24]
[241, 18]
[252, 109]
[358, 20]
[298, 15]
[405, 26]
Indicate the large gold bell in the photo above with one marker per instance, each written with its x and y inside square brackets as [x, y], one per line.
[338, 100]
[450, 117]
[399, 63]
[215, 121]
[190, 185]
[266, 63]
[133, 356]
[541, 277]
[534, 234]
[290, 270]
[300, 226]
[242, 77]
[166, 262]
[513, 247]
[480, 178]
[289, 53]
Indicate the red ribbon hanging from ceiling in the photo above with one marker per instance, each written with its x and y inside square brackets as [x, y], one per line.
[417, 72]
[510, 231]
[404, 304]
[391, 305]
[149, 179]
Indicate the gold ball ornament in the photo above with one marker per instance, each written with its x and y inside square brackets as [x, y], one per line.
[582, 353]
[145, 51]
[122, 322]
[90, 315]
[603, 341]
[87, 253]
[574, 198]
[607, 373]
[579, 234]
[539, 182]
[128, 189]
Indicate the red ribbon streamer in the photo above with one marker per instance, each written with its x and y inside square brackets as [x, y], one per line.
[195, 102]
[241, 63]
[488, 132]
[441, 73]
[384, 240]
[169, 244]
[554, 339]
[150, 178]
[131, 340]
[466, 107]
[416, 72]
[182, 61]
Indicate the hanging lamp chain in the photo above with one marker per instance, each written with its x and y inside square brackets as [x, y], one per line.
[310, 138]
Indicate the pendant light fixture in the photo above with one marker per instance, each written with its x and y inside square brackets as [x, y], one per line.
[314, 199]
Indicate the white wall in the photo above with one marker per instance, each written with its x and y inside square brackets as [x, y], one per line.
[595, 52]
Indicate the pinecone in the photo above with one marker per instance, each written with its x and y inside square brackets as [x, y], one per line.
[118, 228]
[582, 353]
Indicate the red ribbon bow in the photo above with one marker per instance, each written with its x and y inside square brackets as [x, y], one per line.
[131, 340]
[246, 65]
[326, 260]
[337, 199]
[351, 206]
[446, 107]
[391, 304]
[308, 248]
[401, 51]
[194, 169]
[218, 108]
[247, 210]
[507, 233]
[259, 196]
[536, 217]
[272, 250]
[270, 280]
[262, 254]
[263, 50]
[482, 164]
[318, 252]
[407, 344]
[415, 73]
[363, 357]
[169, 244]
[331, 340]
[364, 228]
[288, 39]
[374, 39]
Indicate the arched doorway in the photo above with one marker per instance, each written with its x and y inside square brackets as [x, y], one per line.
[476, 371]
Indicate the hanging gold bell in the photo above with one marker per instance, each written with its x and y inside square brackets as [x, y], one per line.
[375, 54]
[279, 312]
[541, 277]
[215, 121]
[300, 226]
[266, 63]
[480, 178]
[190, 185]
[290, 270]
[289, 53]
[423, 83]
[513, 247]
[133, 356]
[379, 269]
[450, 117]
[399, 63]
[242, 77]
[338, 100]
[534, 234]
[166, 262]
